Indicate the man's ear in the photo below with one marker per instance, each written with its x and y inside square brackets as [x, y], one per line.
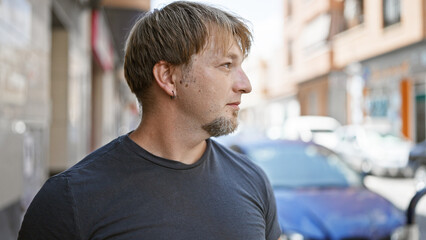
[163, 74]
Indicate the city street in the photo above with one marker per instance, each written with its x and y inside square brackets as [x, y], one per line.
[75, 75]
[400, 191]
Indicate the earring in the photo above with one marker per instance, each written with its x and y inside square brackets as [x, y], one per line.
[174, 96]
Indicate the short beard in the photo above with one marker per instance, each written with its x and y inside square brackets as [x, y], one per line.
[222, 126]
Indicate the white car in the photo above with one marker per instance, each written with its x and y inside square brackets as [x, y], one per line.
[318, 129]
[369, 150]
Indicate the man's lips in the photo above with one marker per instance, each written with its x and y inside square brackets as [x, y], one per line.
[234, 105]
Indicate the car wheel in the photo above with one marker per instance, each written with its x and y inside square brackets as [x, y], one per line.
[420, 177]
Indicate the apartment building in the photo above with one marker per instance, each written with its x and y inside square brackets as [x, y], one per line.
[359, 61]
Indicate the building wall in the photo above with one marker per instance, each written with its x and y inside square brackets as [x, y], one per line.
[80, 86]
[308, 50]
[104, 107]
[44, 95]
[307, 29]
[59, 88]
[70, 93]
[24, 96]
[351, 42]
[24, 106]
[372, 39]
[391, 57]
[313, 97]
[394, 88]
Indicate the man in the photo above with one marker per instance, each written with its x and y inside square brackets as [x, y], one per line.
[167, 179]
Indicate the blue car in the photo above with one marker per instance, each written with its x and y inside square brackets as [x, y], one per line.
[318, 196]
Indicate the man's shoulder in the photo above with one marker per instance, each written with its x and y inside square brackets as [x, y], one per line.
[237, 159]
[99, 159]
[61, 201]
[227, 152]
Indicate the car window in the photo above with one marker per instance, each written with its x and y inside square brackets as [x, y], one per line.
[299, 165]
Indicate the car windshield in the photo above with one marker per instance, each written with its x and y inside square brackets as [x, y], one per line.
[301, 165]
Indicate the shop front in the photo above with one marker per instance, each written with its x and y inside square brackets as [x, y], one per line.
[394, 91]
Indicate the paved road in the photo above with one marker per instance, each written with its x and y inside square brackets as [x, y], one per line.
[399, 192]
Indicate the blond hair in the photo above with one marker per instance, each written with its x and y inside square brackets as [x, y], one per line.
[174, 34]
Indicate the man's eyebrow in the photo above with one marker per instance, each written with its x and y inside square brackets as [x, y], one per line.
[232, 56]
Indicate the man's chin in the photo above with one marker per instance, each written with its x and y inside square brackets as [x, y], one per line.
[221, 126]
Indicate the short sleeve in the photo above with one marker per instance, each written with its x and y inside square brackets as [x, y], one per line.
[51, 213]
[273, 230]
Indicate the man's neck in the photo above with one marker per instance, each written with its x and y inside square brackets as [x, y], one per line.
[169, 140]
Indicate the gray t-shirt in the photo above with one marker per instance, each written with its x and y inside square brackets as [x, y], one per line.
[121, 191]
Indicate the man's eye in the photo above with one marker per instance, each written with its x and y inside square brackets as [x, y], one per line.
[227, 65]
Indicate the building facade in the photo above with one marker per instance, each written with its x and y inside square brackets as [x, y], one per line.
[389, 28]
[62, 91]
[358, 61]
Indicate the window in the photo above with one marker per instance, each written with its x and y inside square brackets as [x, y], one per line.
[391, 12]
[316, 33]
[353, 12]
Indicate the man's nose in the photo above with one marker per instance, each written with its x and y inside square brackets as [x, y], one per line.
[242, 83]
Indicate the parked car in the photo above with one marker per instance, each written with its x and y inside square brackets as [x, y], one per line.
[318, 196]
[319, 129]
[417, 162]
[370, 150]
